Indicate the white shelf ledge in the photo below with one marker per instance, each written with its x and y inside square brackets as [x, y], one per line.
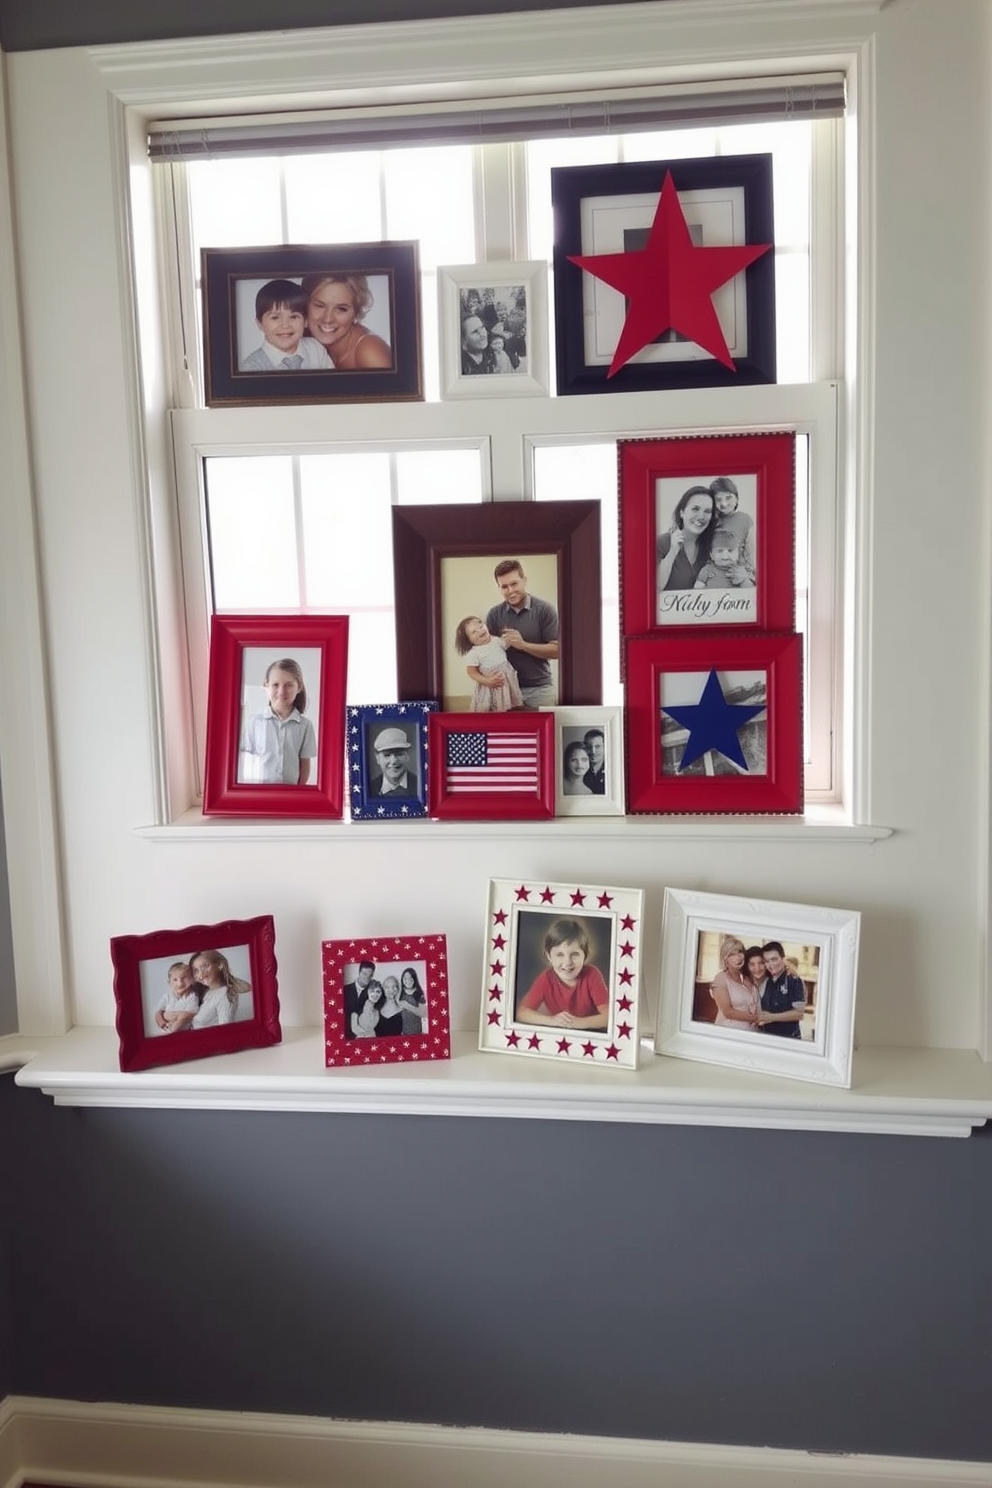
[908, 1092]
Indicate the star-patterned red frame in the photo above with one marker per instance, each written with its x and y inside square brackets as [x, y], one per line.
[513, 954]
[779, 790]
[427, 951]
[571, 186]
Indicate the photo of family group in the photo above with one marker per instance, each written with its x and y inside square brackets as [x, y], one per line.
[714, 723]
[195, 990]
[317, 322]
[500, 633]
[706, 550]
[280, 701]
[385, 999]
[493, 321]
[563, 970]
[757, 983]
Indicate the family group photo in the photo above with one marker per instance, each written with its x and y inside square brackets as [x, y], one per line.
[706, 550]
[201, 989]
[493, 319]
[280, 703]
[754, 983]
[500, 633]
[338, 321]
[385, 999]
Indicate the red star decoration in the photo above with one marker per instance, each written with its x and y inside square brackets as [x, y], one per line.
[547, 896]
[624, 1004]
[589, 1050]
[496, 969]
[578, 897]
[627, 923]
[512, 1039]
[533, 1042]
[563, 1046]
[499, 941]
[669, 283]
[623, 1029]
[613, 1052]
[523, 893]
[626, 949]
[626, 976]
[499, 918]
[494, 1020]
[494, 994]
[604, 900]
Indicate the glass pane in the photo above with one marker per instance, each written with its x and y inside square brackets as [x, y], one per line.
[252, 532]
[429, 197]
[371, 656]
[669, 144]
[234, 202]
[347, 531]
[792, 313]
[541, 156]
[334, 198]
[438, 477]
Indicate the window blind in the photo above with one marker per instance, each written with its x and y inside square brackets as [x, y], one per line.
[737, 101]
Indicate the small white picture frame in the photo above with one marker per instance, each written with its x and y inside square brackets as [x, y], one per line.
[718, 1009]
[601, 731]
[509, 301]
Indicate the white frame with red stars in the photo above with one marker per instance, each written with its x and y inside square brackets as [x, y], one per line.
[515, 929]
[393, 952]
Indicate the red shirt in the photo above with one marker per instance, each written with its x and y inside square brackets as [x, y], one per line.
[586, 997]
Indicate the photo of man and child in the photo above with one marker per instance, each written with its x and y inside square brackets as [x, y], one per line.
[706, 550]
[278, 744]
[493, 330]
[201, 989]
[504, 655]
[558, 983]
[756, 983]
[331, 322]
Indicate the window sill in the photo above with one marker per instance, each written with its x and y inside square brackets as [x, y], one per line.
[819, 824]
[907, 1092]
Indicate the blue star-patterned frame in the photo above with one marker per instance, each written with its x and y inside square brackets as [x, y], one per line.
[364, 725]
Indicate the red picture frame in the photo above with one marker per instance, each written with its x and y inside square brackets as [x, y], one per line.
[243, 651]
[351, 1036]
[754, 475]
[244, 1013]
[491, 766]
[674, 708]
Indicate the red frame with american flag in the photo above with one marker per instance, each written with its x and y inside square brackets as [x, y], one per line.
[524, 918]
[491, 766]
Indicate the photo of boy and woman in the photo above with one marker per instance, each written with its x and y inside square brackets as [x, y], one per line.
[558, 983]
[756, 983]
[706, 549]
[198, 989]
[330, 322]
[278, 744]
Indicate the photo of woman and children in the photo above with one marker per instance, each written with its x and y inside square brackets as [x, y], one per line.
[316, 323]
[385, 1000]
[706, 550]
[756, 984]
[194, 991]
[558, 983]
[278, 744]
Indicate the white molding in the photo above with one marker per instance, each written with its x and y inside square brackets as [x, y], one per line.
[904, 1092]
[82, 1443]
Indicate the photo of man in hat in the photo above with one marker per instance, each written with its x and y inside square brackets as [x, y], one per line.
[394, 773]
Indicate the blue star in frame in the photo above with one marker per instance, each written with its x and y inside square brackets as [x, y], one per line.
[713, 724]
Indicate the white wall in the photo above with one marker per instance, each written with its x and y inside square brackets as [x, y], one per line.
[923, 534]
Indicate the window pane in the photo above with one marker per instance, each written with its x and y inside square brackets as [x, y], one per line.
[371, 656]
[334, 198]
[792, 312]
[347, 533]
[436, 477]
[541, 156]
[429, 198]
[252, 532]
[670, 144]
[234, 203]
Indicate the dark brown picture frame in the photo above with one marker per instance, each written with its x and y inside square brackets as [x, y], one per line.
[423, 536]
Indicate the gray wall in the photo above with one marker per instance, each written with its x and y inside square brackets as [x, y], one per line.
[786, 1289]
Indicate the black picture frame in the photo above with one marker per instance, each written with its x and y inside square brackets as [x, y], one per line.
[231, 278]
[572, 186]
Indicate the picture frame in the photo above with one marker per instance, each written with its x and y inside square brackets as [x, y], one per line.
[491, 766]
[741, 692]
[443, 564]
[745, 558]
[157, 1020]
[246, 750]
[354, 1034]
[562, 943]
[600, 730]
[241, 287]
[510, 301]
[387, 778]
[598, 209]
[822, 944]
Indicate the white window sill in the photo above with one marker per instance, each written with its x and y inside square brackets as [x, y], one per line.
[819, 824]
[908, 1092]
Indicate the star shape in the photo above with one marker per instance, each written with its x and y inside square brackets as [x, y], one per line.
[494, 1019]
[623, 1029]
[523, 893]
[563, 1046]
[547, 896]
[499, 918]
[627, 949]
[627, 923]
[613, 1052]
[624, 1004]
[589, 1050]
[713, 724]
[604, 900]
[669, 283]
[578, 897]
[494, 994]
[626, 977]
[512, 1039]
[499, 941]
[533, 1042]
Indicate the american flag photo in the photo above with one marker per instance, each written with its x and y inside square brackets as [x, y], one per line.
[477, 760]
[486, 769]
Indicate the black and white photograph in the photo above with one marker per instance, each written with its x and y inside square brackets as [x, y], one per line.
[493, 329]
[589, 774]
[714, 723]
[706, 549]
[386, 749]
[393, 757]
[385, 1000]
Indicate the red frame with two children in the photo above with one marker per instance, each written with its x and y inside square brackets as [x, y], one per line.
[561, 972]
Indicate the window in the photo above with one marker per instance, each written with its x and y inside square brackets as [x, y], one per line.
[290, 508]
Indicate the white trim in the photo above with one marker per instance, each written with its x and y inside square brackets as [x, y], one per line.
[81, 1443]
[905, 1092]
